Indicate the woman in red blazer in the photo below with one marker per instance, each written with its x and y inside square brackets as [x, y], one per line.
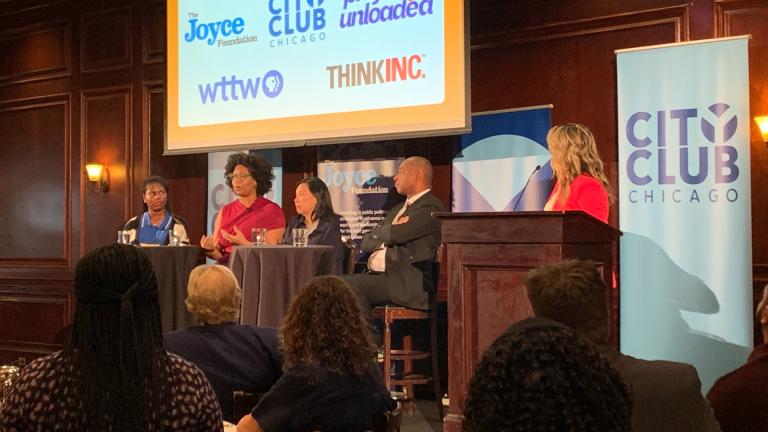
[581, 182]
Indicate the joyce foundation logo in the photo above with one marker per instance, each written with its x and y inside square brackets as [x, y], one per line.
[388, 70]
[357, 181]
[233, 88]
[670, 159]
[217, 32]
[358, 13]
[296, 22]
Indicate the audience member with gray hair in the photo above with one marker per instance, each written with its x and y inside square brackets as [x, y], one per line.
[232, 356]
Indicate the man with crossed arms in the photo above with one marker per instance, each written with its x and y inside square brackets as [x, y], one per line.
[403, 245]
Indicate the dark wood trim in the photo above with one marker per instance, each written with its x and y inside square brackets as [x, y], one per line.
[123, 62]
[37, 264]
[676, 15]
[60, 71]
[147, 55]
[91, 94]
[724, 9]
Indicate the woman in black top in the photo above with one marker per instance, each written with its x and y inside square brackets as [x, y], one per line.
[331, 382]
[315, 213]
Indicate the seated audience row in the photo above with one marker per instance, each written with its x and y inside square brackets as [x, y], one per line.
[116, 375]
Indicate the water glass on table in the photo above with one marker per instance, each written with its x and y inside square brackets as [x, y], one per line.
[124, 236]
[259, 236]
[299, 236]
[174, 239]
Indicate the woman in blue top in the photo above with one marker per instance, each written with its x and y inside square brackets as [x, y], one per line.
[315, 213]
[157, 221]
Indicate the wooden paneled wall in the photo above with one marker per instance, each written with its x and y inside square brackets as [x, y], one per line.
[84, 81]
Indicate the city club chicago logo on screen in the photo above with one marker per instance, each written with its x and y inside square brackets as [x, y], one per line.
[380, 71]
[702, 141]
[296, 22]
[226, 32]
[358, 13]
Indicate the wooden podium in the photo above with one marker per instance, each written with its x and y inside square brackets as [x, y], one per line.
[488, 256]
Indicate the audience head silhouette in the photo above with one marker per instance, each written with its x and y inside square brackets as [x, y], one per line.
[213, 294]
[571, 292]
[542, 376]
[325, 326]
[116, 345]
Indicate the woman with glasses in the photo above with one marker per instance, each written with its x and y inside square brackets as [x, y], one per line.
[154, 225]
[250, 178]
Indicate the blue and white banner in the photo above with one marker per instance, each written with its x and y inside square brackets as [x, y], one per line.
[498, 157]
[685, 204]
[361, 191]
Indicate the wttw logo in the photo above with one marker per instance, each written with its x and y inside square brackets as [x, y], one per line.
[234, 88]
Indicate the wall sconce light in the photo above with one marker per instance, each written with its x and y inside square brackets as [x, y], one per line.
[98, 177]
[762, 123]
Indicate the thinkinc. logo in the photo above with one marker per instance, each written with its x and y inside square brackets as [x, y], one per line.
[704, 153]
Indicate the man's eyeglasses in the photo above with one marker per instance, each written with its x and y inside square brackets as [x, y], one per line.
[233, 176]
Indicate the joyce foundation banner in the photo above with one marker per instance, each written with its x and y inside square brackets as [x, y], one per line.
[362, 192]
[499, 157]
[684, 204]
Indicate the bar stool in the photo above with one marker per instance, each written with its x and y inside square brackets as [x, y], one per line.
[389, 314]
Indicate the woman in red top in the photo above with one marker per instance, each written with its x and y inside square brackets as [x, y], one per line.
[250, 177]
[581, 182]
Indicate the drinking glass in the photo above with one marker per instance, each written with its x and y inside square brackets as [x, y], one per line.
[259, 236]
[174, 239]
[299, 236]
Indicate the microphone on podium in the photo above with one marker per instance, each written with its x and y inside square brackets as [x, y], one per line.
[517, 201]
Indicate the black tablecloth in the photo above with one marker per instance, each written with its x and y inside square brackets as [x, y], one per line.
[270, 277]
[172, 265]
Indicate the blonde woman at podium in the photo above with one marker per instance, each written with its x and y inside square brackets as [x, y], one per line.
[580, 181]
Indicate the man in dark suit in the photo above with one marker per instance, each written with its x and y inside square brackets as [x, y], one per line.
[403, 245]
[666, 396]
[738, 397]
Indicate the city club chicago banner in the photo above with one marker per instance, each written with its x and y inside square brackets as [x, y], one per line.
[504, 162]
[684, 204]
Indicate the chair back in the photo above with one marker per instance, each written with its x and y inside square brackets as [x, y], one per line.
[350, 257]
[243, 403]
[389, 421]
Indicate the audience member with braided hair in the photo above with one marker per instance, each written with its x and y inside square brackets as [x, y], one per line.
[115, 373]
[542, 376]
[330, 380]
